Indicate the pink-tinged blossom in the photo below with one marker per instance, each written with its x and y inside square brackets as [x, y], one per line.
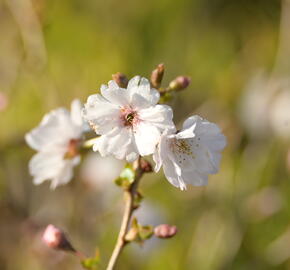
[57, 140]
[129, 120]
[190, 155]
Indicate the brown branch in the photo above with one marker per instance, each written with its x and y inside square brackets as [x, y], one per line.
[129, 195]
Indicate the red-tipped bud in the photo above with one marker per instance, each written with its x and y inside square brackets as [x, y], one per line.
[179, 83]
[146, 166]
[55, 238]
[120, 79]
[157, 75]
[165, 231]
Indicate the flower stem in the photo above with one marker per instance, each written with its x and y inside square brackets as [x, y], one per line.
[129, 195]
[89, 143]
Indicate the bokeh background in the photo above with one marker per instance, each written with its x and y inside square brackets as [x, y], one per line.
[237, 54]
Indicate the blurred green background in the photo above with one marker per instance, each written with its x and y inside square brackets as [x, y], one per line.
[53, 51]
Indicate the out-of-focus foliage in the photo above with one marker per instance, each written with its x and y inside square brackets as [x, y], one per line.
[52, 51]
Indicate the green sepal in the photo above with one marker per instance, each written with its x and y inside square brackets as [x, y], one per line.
[126, 177]
[91, 263]
[139, 233]
[145, 232]
[166, 97]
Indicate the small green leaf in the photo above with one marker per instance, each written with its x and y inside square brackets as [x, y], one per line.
[91, 263]
[126, 177]
[145, 232]
[166, 97]
[139, 233]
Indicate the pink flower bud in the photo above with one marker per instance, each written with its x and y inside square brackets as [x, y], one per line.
[157, 75]
[165, 231]
[120, 79]
[179, 83]
[55, 238]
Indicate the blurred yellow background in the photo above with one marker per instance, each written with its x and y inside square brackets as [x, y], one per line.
[237, 55]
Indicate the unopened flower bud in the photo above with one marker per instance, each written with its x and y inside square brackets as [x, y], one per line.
[120, 79]
[157, 75]
[179, 83]
[55, 238]
[165, 231]
[146, 166]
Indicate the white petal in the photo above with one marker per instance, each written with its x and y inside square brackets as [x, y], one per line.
[64, 175]
[45, 166]
[191, 121]
[170, 174]
[96, 98]
[134, 82]
[118, 143]
[53, 129]
[187, 133]
[146, 137]
[157, 159]
[102, 115]
[141, 94]
[115, 94]
[76, 116]
[194, 178]
[113, 85]
[159, 115]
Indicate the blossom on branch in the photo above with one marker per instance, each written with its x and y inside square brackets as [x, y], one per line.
[57, 140]
[190, 155]
[129, 120]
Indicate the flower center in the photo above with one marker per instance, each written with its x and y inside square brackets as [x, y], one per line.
[72, 149]
[181, 146]
[182, 149]
[129, 117]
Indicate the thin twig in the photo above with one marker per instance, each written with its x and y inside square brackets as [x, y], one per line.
[129, 209]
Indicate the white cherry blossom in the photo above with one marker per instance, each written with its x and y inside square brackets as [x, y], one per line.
[190, 155]
[129, 120]
[57, 139]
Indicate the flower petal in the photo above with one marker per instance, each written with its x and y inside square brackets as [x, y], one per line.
[47, 133]
[76, 116]
[146, 137]
[115, 94]
[159, 115]
[141, 94]
[65, 174]
[45, 166]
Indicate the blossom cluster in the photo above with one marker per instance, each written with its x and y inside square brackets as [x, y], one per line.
[130, 123]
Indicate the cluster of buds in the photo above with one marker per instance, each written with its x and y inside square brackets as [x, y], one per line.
[179, 83]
